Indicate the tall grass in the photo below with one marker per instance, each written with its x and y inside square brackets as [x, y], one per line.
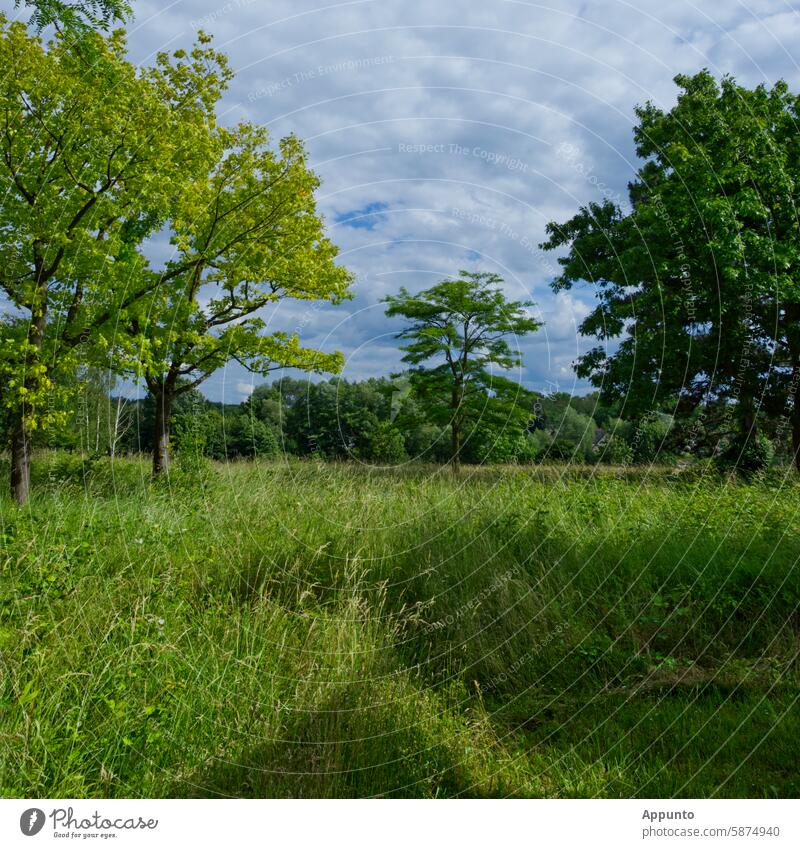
[300, 629]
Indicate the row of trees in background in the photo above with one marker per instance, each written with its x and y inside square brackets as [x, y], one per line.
[381, 421]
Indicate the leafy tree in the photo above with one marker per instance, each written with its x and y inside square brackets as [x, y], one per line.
[462, 327]
[700, 277]
[336, 418]
[247, 436]
[577, 429]
[386, 445]
[746, 456]
[91, 156]
[648, 437]
[77, 17]
[246, 235]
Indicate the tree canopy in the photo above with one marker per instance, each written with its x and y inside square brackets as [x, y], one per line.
[462, 328]
[91, 159]
[699, 279]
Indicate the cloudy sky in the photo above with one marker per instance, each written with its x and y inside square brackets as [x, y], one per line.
[448, 134]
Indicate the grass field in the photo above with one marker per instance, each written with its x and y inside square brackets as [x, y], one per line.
[317, 630]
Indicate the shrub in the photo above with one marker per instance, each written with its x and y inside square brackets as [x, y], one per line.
[386, 445]
[614, 450]
[747, 454]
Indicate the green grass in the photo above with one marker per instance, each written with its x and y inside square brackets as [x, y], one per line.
[306, 630]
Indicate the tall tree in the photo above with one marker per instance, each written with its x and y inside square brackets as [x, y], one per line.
[700, 278]
[245, 236]
[462, 328]
[92, 155]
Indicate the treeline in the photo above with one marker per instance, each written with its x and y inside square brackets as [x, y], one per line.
[379, 421]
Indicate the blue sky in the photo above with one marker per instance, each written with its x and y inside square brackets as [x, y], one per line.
[448, 134]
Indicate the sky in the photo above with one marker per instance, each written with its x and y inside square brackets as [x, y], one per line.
[448, 134]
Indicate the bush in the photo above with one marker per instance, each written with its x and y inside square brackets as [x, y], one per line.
[577, 431]
[386, 445]
[614, 450]
[747, 454]
[647, 441]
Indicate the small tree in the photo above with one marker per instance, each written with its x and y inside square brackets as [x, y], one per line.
[461, 327]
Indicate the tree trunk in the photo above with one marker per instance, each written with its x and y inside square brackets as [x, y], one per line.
[455, 451]
[163, 399]
[796, 434]
[20, 462]
[20, 438]
[794, 413]
[455, 429]
[749, 424]
[793, 343]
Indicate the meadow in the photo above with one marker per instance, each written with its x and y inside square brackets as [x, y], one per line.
[300, 629]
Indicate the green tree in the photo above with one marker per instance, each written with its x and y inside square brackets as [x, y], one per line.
[462, 327]
[245, 236]
[77, 17]
[245, 435]
[699, 278]
[386, 445]
[91, 156]
[576, 429]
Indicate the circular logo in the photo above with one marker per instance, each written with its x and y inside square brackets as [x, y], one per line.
[31, 821]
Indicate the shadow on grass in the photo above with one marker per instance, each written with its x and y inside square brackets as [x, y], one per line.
[667, 738]
[348, 749]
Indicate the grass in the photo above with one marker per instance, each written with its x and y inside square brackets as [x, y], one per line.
[296, 630]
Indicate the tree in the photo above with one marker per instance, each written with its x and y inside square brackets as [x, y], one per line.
[462, 325]
[91, 156]
[245, 236]
[99, 421]
[699, 279]
[577, 429]
[245, 435]
[386, 445]
[77, 17]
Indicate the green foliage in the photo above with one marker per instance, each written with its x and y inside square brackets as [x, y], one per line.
[457, 337]
[648, 437]
[247, 234]
[77, 17]
[576, 429]
[247, 436]
[386, 445]
[747, 454]
[699, 278]
[615, 451]
[191, 438]
[490, 446]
